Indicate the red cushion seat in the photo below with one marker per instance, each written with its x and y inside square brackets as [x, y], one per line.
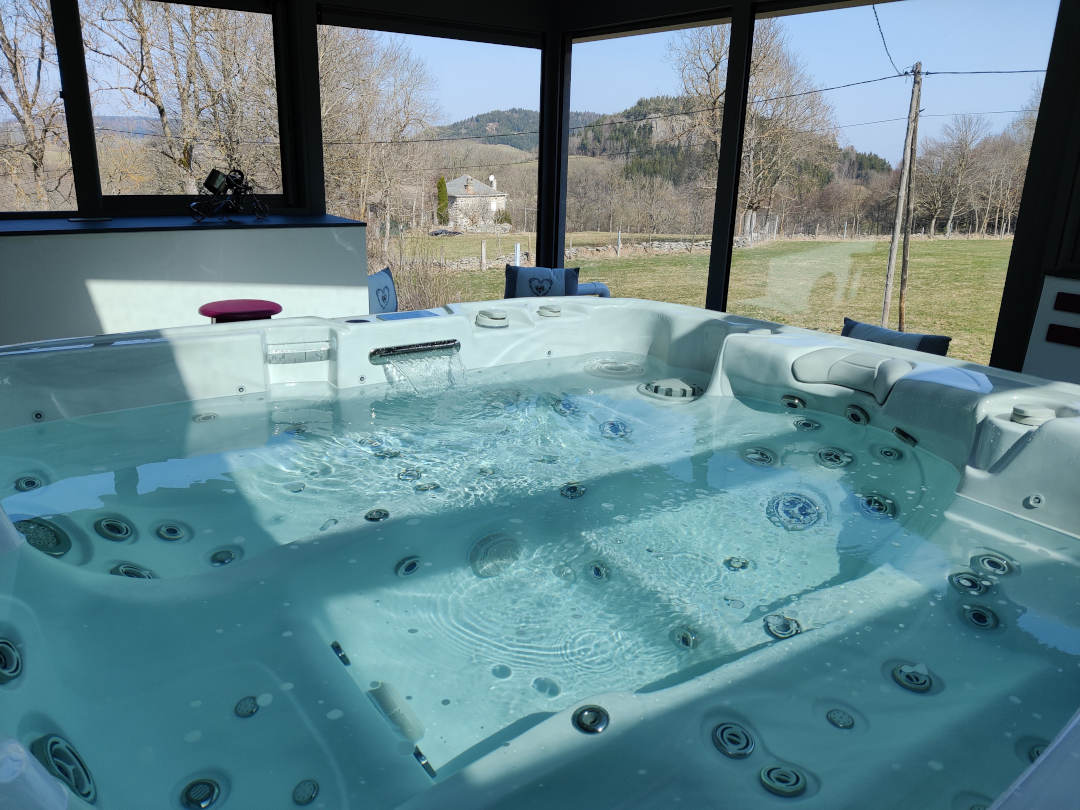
[239, 309]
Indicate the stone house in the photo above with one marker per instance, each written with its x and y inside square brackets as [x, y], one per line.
[472, 205]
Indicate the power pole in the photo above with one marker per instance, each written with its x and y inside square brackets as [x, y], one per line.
[901, 192]
[910, 216]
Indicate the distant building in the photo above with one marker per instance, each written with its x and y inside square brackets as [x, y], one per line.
[472, 205]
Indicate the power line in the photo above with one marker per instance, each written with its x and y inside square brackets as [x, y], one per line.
[883, 42]
[653, 117]
[983, 112]
[978, 72]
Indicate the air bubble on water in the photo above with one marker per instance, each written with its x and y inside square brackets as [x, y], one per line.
[265, 699]
[287, 634]
[287, 686]
[335, 714]
[195, 704]
[193, 736]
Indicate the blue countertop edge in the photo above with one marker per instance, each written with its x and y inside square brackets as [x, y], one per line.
[63, 225]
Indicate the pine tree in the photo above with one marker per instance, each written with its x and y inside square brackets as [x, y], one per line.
[443, 211]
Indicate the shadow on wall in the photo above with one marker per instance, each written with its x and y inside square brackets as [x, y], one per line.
[90, 283]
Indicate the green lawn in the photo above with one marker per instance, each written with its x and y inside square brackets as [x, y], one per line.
[955, 285]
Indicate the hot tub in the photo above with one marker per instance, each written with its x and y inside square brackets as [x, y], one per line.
[529, 554]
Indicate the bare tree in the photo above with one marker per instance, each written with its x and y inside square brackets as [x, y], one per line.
[377, 98]
[787, 128]
[30, 91]
[960, 137]
[933, 182]
[200, 73]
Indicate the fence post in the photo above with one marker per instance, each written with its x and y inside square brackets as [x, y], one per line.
[517, 254]
[483, 254]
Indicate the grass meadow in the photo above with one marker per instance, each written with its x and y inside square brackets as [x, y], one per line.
[954, 285]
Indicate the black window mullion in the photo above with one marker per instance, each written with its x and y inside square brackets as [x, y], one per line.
[554, 145]
[727, 171]
[75, 86]
[296, 57]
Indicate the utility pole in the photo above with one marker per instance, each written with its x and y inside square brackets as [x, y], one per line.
[901, 192]
[908, 222]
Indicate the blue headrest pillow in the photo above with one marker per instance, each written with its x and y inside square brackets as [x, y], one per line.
[382, 295]
[934, 344]
[525, 282]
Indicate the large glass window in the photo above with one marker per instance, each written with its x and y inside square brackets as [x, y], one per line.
[178, 90]
[645, 129]
[824, 151]
[35, 163]
[433, 142]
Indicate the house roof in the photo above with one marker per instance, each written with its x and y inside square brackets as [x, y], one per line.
[456, 188]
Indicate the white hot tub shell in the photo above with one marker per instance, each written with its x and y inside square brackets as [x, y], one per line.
[1011, 441]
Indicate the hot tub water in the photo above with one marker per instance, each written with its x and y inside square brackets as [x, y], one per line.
[506, 547]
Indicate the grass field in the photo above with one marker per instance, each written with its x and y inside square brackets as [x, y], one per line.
[954, 288]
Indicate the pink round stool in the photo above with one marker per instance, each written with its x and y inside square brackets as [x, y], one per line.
[239, 309]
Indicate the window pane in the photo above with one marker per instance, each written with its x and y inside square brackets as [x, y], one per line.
[179, 90]
[35, 163]
[644, 140]
[821, 170]
[398, 121]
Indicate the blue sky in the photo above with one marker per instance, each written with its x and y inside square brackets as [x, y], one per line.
[835, 47]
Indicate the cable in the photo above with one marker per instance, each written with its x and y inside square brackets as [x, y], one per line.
[599, 124]
[825, 89]
[883, 42]
[655, 117]
[977, 72]
[983, 112]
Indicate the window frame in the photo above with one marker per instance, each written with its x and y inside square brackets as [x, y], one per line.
[91, 202]
[552, 28]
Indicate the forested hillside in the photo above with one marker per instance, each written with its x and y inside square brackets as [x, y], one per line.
[492, 127]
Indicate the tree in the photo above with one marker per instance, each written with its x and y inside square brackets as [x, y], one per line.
[443, 211]
[960, 138]
[789, 129]
[376, 98]
[932, 182]
[31, 93]
[198, 72]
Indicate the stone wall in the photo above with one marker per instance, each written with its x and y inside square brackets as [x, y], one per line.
[579, 254]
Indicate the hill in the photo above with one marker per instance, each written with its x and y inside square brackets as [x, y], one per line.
[493, 127]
